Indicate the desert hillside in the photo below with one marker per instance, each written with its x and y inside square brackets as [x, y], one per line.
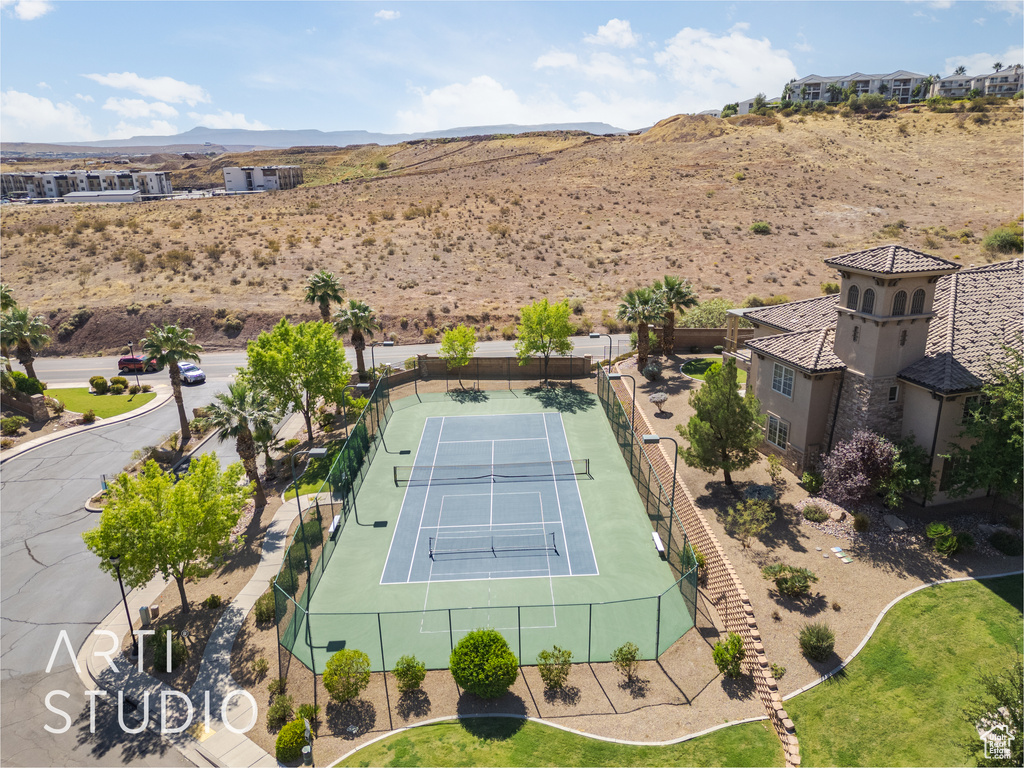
[436, 232]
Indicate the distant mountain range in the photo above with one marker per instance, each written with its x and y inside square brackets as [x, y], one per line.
[245, 139]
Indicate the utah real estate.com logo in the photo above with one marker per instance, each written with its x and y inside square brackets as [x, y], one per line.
[997, 740]
[177, 724]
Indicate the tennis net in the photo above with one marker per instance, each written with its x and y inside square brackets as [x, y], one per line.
[469, 473]
[492, 544]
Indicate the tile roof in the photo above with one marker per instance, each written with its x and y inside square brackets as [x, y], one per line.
[977, 311]
[819, 312]
[809, 351]
[891, 260]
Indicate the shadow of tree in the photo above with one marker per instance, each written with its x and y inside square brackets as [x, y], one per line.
[468, 396]
[741, 688]
[808, 606]
[637, 687]
[415, 703]
[568, 398]
[473, 711]
[569, 695]
[108, 734]
[664, 415]
[355, 713]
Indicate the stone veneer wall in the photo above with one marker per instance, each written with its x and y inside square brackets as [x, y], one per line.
[724, 588]
[864, 404]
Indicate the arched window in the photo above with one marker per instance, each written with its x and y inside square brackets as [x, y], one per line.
[868, 305]
[853, 298]
[917, 303]
[899, 303]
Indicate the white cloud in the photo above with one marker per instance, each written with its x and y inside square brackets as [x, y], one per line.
[714, 70]
[803, 46]
[133, 108]
[24, 117]
[27, 10]
[942, 4]
[1012, 7]
[981, 63]
[980, 21]
[225, 119]
[159, 88]
[386, 15]
[125, 130]
[84, 97]
[601, 66]
[616, 32]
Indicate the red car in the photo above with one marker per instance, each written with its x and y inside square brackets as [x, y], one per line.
[133, 364]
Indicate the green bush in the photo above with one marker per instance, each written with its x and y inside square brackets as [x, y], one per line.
[1006, 543]
[1004, 240]
[346, 674]
[687, 561]
[260, 667]
[310, 712]
[482, 663]
[119, 380]
[814, 513]
[99, 385]
[652, 371]
[861, 522]
[264, 609]
[789, 580]
[116, 389]
[147, 387]
[89, 416]
[134, 389]
[812, 482]
[213, 601]
[290, 741]
[291, 444]
[729, 654]
[817, 641]
[11, 425]
[409, 673]
[27, 386]
[276, 686]
[554, 667]
[179, 652]
[279, 712]
[411, 364]
[778, 671]
[761, 228]
[626, 659]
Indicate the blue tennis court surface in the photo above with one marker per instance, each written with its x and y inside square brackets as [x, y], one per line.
[491, 497]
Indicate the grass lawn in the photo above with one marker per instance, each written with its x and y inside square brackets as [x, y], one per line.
[80, 400]
[503, 741]
[697, 367]
[899, 701]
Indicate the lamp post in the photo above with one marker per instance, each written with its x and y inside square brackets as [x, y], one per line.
[115, 560]
[616, 377]
[373, 365]
[363, 386]
[313, 453]
[651, 440]
[131, 351]
[598, 336]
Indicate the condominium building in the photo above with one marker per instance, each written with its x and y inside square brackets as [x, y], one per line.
[897, 85]
[35, 184]
[257, 179]
[1004, 82]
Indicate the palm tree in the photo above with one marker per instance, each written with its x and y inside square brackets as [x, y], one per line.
[7, 383]
[961, 70]
[835, 92]
[6, 298]
[169, 346]
[640, 307]
[238, 413]
[997, 66]
[883, 88]
[25, 334]
[678, 295]
[926, 84]
[322, 288]
[263, 436]
[803, 93]
[358, 318]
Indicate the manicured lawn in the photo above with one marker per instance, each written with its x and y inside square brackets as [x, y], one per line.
[899, 701]
[80, 400]
[502, 741]
[696, 368]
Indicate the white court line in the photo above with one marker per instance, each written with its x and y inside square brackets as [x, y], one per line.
[496, 578]
[503, 440]
[426, 496]
[490, 517]
[558, 501]
[497, 525]
[586, 524]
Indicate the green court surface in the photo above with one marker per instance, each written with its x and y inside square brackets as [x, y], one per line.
[635, 597]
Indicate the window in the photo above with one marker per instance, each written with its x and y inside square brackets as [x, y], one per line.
[949, 468]
[868, 305]
[856, 333]
[894, 393]
[782, 380]
[899, 303]
[903, 338]
[974, 405]
[917, 303]
[778, 432]
[853, 298]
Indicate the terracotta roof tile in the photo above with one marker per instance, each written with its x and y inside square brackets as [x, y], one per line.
[891, 260]
[809, 351]
[819, 312]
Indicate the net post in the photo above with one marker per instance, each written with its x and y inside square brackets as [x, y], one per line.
[590, 630]
[519, 627]
[383, 661]
[657, 629]
[394, 471]
[451, 635]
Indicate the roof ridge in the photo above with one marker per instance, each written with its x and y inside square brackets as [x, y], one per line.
[950, 329]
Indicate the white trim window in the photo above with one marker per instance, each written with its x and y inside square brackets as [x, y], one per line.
[778, 432]
[782, 380]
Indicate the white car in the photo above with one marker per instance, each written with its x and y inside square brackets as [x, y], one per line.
[191, 373]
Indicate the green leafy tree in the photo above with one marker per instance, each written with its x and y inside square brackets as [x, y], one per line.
[730, 109]
[238, 413]
[322, 288]
[1000, 703]
[179, 529]
[803, 93]
[457, 347]
[759, 103]
[835, 92]
[24, 334]
[169, 346]
[6, 298]
[883, 88]
[296, 365]
[728, 654]
[358, 319]
[787, 90]
[678, 296]
[347, 673]
[749, 518]
[725, 429]
[641, 307]
[482, 663]
[544, 329]
[708, 314]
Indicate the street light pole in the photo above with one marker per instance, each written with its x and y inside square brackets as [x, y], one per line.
[598, 336]
[373, 365]
[650, 440]
[313, 453]
[616, 377]
[115, 560]
[363, 386]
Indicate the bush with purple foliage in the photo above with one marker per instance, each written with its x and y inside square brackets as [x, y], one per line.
[857, 467]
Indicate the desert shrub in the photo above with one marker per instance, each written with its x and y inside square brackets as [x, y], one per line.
[56, 405]
[1004, 240]
[774, 469]
[89, 416]
[290, 741]
[409, 673]
[114, 380]
[658, 399]
[6, 442]
[264, 608]
[430, 334]
[789, 580]
[310, 712]
[747, 518]
[861, 522]
[116, 389]
[817, 641]
[147, 387]
[1006, 543]
[687, 561]
[134, 389]
[179, 651]
[554, 667]
[276, 686]
[27, 386]
[279, 712]
[728, 655]
[291, 444]
[778, 671]
[346, 674]
[626, 659]
[260, 666]
[812, 482]
[213, 601]
[411, 364]
[652, 371]
[829, 288]
[11, 425]
[814, 513]
[761, 228]
[508, 332]
[482, 663]
[99, 385]
[857, 467]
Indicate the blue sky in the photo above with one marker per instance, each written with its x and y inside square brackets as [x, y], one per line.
[81, 70]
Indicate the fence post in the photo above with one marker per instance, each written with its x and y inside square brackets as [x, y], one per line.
[383, 661]
[451, 636]
[590, 630]
[657, 630]
[519, 627]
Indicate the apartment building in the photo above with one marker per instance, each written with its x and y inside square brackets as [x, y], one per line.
[36, 184]
[1004, 82]
[258, 179]
[897, 85]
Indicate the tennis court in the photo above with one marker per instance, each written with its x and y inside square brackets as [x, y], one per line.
[491, 497]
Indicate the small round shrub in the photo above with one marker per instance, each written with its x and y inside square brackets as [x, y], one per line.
[116, 389]
[99, 385]
[778, 671]
[264, 609]
[1003, 240]
[554, 667]
[290, 741]
[346, 674]
[817, 641]
[759, 492]
[761, 228]
[276, 686]
[937, 530]
[812, 482]
[789, 580]
[626, 659]
[310, 712]
[1006, 543]
[729, 654]
[213, 601]
[147, 387]
[861, 522]
[179, 651]
[814, 513]
[11, 425]
[279, 712]
[260, 667]
[482, 663]
[409, 673]
[134, 389]
[115, 380]
[652, 371]
[27, 386]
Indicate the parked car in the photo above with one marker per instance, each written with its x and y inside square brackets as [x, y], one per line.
[191, 373]
[133, 364]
